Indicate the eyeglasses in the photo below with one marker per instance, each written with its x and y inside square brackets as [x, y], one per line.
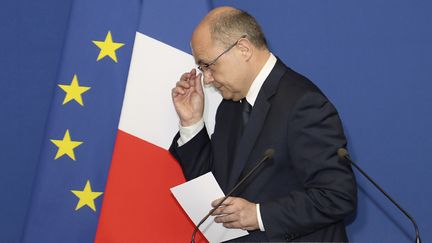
[205, 66]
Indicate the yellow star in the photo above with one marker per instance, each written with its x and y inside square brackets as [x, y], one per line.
[86, 197]
[66, 146]
[73, 91]
[108, 47]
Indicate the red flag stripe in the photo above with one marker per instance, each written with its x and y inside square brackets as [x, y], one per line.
[138, 206]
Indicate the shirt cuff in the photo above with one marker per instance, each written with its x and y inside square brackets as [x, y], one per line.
[187, 133]
[260, 222]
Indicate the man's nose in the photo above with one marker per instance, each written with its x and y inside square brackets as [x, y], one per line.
[208, 77]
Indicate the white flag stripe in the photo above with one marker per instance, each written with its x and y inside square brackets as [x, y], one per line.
[148, 112]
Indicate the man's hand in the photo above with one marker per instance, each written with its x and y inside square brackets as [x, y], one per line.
[188, 98]
[236, 212]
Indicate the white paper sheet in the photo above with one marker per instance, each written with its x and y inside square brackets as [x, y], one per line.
[195, 196]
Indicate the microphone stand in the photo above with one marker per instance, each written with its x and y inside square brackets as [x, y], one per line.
[344, 154]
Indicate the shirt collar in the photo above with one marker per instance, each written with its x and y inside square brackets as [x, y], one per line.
[259, 80]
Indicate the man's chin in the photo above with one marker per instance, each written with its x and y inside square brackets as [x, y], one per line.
[226, 96]
[230, 96]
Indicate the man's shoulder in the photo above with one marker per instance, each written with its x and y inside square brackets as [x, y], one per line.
[296, 84]
[292, 80]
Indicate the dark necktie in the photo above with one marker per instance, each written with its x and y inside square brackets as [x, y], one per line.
[247, 108]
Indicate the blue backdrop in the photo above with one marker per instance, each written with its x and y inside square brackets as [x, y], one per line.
[371, 58]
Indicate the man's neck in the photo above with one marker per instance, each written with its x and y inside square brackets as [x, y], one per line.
[259, 61]
[259, 80]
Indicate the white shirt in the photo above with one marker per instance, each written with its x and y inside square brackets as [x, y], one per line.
[187, 133]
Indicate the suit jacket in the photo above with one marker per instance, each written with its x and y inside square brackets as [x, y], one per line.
[305, 191]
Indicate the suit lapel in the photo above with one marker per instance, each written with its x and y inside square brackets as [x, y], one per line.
[256, 121]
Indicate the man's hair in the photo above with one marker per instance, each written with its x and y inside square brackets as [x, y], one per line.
[227, 27]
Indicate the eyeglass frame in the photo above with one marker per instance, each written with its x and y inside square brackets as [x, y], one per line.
[205, 66]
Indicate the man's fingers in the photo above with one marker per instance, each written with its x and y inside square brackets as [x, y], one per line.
[216, 202]
[188, 79]
[193, 72]
[228, 201]
[188, 75]
[177, 91]
[236, 225]
[230, 225]
[185, 77]
[224, 210]
[226, 218]
[236, 212]
[218, 211]
[183, 84]
[232, 221]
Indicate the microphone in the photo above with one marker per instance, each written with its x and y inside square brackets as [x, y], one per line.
[343, 154]
[268, 154]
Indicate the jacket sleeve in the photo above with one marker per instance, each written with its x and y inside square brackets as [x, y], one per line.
[194, 156]
[329, 190]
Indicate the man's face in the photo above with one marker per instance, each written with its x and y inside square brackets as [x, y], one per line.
[227, 73]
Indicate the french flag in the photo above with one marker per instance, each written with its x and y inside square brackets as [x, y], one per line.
[138, 204]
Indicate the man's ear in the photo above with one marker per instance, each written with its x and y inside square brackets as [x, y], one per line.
[246, 48]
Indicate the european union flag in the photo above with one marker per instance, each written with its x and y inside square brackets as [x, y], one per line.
[81, 129]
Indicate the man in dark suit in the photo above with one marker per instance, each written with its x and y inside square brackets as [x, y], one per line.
[304, 192]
